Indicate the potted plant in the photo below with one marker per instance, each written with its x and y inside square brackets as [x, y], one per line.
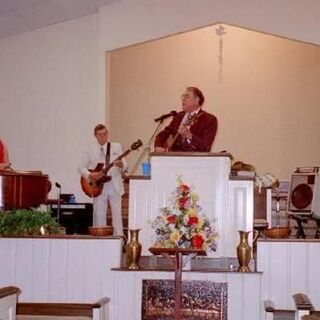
[27, 222]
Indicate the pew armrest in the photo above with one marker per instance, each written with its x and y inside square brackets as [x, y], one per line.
[302, 302]
[8, 291]
[303, 305]
[272, 312]
[8, 302]
[101, 309]
[268, 306]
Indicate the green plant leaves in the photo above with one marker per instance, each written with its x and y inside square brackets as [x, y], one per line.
[26, 222]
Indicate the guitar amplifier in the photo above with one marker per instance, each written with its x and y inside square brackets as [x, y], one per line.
[75, 217]
[304, 192]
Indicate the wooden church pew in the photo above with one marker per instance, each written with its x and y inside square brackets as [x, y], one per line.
[48, 311]
[8, 301]
[272, 313]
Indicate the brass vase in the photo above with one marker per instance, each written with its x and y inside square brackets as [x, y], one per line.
[133, 250]
[244, 252]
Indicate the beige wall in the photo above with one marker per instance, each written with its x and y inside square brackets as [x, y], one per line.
[129, 22]
[49, 98]
[267, 103]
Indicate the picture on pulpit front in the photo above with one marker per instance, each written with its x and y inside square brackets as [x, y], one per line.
[201, 300]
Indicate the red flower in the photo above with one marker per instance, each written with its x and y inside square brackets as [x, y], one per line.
[172, 219]
[197, 241]
[192, 220]
[182, 202]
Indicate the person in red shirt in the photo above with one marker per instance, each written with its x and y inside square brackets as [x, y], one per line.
[192, 129]
[4, 156]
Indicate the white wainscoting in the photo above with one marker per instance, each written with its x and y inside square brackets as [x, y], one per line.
[59, 269]
[239, 214]
[289, 267]
[139, 211]
[244, 292]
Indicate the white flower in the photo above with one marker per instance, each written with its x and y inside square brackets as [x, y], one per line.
[172, 226]
[183, 230]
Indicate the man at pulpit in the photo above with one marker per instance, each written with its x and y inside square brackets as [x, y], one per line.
[192, 129]
[4, 156]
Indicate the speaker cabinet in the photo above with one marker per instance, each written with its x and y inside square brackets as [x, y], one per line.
[76, 218]
[304, 194]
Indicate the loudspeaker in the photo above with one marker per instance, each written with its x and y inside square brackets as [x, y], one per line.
[304, 194]
[76, 218]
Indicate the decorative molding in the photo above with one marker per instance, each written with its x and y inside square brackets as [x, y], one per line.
[220, 32]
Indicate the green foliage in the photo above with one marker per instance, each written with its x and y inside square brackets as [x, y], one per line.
[26, 222]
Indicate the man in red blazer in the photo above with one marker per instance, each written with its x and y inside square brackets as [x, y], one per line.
[193, 128]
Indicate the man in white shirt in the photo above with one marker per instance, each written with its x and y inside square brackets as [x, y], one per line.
[112, 190]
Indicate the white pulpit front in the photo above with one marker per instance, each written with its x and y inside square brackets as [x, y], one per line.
[208, 174]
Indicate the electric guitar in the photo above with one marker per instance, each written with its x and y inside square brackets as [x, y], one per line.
[94, 188]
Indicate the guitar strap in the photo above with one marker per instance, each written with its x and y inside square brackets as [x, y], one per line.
[108, 154]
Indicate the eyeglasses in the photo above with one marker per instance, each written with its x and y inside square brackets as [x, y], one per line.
[186, 96]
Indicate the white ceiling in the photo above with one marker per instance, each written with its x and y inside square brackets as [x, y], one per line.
[17, 16]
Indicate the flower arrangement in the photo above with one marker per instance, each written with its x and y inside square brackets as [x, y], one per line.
[183, 225]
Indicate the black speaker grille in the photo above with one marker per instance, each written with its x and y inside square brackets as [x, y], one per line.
[301, 196]
[76, 218]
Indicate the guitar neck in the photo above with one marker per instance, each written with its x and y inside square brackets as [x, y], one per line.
[109, 166]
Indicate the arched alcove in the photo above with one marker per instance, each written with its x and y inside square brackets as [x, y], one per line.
[262, 88]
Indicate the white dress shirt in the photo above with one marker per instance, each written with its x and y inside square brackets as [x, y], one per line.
[187, 116]
[92, 157]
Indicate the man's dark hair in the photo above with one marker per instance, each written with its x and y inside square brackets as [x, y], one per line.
[99, 127]
[197, 92]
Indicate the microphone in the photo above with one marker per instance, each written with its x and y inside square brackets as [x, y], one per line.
[165, 116]
[58, 185]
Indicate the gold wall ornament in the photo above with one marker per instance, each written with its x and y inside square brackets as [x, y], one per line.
[133, 249]
[244, 251]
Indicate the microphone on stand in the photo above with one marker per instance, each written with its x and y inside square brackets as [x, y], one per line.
[165, 116]
[59, 201]
[148, 145]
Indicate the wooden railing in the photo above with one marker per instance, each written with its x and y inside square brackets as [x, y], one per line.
[95, 311]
